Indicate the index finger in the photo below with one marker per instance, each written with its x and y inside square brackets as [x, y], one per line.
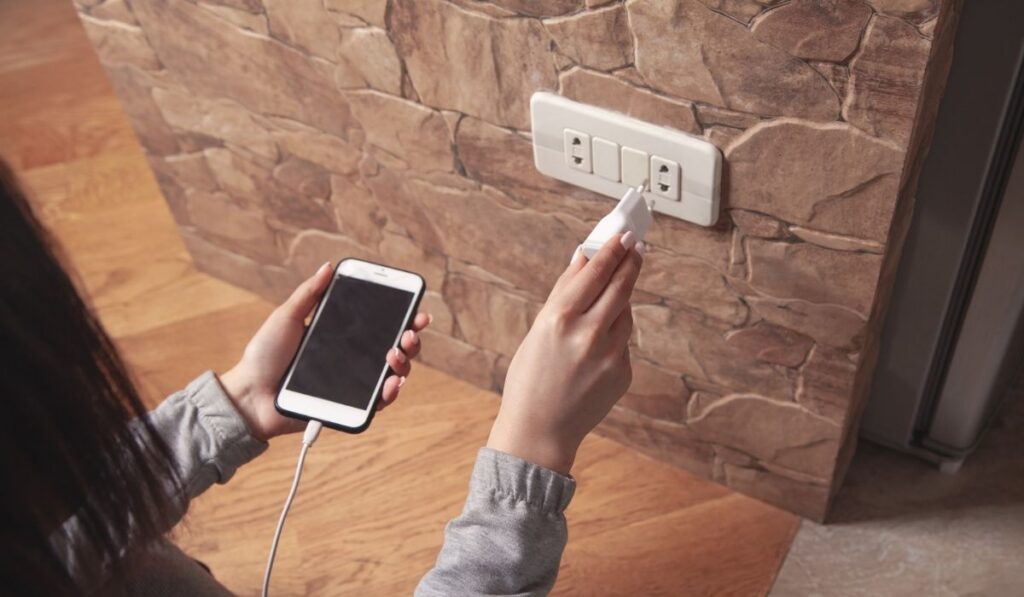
[584, 288]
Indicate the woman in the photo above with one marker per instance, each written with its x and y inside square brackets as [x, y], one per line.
[92, 482]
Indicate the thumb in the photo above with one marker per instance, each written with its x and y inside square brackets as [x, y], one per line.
[305, 297]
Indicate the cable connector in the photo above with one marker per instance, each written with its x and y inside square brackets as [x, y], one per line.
[308, 439]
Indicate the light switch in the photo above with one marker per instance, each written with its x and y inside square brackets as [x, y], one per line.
[577, 150]
[606, 158]
[634, 166]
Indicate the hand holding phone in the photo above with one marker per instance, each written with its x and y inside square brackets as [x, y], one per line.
[253, 383]
[338, 376]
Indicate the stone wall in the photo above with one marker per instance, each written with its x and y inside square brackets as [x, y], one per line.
[287, 132]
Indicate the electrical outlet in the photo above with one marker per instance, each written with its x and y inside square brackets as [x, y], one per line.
[576, 146]
[694, 166]
[664, 178]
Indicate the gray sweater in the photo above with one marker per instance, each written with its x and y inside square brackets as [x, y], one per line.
[507, 541]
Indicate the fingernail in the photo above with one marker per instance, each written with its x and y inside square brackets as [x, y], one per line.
[326, 265]
[576, 254]
[401, 381]
[641, 247]
[627, 239]
[399, 355]
[430, 319]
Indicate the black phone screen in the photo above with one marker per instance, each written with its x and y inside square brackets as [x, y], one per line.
[344, 355]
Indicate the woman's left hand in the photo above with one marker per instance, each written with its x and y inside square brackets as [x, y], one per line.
[252, 384]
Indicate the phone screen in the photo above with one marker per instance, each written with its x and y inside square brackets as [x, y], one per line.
[344, 355]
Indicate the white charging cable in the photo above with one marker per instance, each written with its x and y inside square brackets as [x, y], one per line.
[312, 431]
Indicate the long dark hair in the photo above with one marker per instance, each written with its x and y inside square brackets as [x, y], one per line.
[69, 448]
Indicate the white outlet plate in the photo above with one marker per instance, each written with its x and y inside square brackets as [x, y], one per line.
[699, 161]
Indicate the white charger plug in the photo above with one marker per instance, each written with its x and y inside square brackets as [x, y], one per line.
[632, 213]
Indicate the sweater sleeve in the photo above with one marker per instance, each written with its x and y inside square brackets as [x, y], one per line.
[510, 535]
[208, 441]
[207, 437]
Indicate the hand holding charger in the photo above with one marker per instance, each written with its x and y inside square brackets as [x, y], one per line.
[631, 214]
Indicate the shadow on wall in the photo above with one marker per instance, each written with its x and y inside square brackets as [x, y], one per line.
[886, 485]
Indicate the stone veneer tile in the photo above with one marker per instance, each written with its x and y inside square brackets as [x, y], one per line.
[487, 315]
[597, 39]
[533, 8]
[304, 24]
[366, 58]
[771, 431]
[918, 10]
[603, 90]
[813, 29]
[789, 271]
[833, 177]
[685, 49]
[442, 45]
[120, 43]
[830, 325]
[656, 392]
[415, 135]
[885, 79]
[371, 12]
[263, 75]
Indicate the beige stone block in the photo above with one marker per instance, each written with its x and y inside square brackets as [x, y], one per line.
[708, 244]
[236, 225]
[120, 44]
[416, 135]
[444, 48]
[656, 392]
[598, 39]
[221, 119]
[443, 321]
[771, 344]
[253, 6]
[814, 29]
[908, 9]
[312, 248]
[838, 76]
[687, 50]
[832, 177]
[371, 12]
[691, 282]
[830, 325]
[825, 386]
[740, 10]
[752, 223]
[533, 8]
[609, 92]
[359, 215]
[272, 282]
[807, 496]
[366, 58]
[504, 159]
[885, 79]
[305, 24]
[779, 432]
[681, 340]
[835, 241]
[132, 87]
[468, 362]
[489, 316]
[263, 75]
[803, 271]
[708, 115]
[114, 10]
[305, 178]
[334, 153]
[239, 18]
[669, 442]
[400, 251]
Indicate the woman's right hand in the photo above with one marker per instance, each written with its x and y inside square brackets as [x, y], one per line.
[573, 365]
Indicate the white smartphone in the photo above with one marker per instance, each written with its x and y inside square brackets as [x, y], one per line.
[339, 371]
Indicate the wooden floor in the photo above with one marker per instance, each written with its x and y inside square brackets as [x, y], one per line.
[369, 517]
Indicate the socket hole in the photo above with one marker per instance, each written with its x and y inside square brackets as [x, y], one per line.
[576, 141]
[663, 168]
[663, 187]
[577, 159]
